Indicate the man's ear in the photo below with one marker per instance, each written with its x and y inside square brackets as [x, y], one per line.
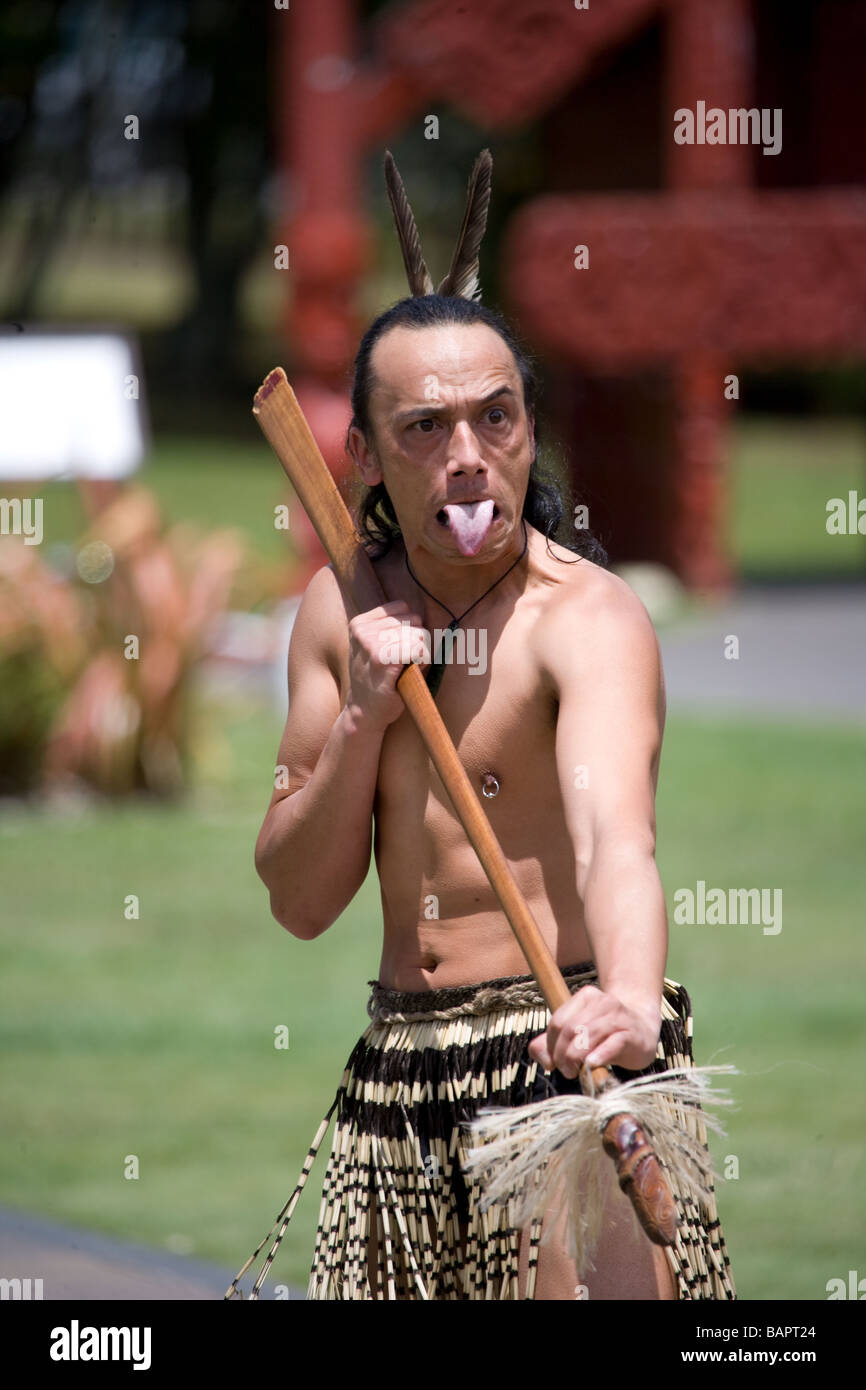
[363, 456]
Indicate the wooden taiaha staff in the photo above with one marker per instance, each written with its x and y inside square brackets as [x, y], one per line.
[624, 1138]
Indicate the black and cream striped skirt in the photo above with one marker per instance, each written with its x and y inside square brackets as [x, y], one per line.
[398, 1217]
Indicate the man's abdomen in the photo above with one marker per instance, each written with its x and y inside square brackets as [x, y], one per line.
[443, 924]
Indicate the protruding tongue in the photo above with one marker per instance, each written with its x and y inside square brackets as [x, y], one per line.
[470, 522]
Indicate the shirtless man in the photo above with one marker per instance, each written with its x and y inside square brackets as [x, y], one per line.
[573, 682]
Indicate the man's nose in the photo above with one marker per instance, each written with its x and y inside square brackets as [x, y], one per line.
[463, 452]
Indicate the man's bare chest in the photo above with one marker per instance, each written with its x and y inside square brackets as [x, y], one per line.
[501, 718]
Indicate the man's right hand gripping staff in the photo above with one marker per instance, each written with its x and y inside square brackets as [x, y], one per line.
[313, 850]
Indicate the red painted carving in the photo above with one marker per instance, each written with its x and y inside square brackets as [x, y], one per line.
[762, 277]
[505, 61]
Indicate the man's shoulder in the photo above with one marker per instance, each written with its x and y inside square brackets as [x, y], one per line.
[590, 593]
[321, 625]
[592, 618]
[321, 598]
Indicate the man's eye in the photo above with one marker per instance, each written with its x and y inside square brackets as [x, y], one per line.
[497, 410]
[416, 424]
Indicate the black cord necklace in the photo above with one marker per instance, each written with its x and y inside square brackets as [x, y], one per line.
[437, 668]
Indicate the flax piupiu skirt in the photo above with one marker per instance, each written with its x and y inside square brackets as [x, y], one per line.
[426, 1063]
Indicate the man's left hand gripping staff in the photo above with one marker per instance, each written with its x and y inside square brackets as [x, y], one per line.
[597, 1028]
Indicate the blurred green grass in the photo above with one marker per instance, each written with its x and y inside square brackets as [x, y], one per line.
[208, 481]
[782, 473]
[155, 1036]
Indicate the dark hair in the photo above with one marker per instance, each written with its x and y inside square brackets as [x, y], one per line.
[543, 505]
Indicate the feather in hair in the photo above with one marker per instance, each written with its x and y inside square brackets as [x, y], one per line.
[462, 278]
[420, 281]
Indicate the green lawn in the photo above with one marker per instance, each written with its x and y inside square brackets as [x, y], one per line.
[783, 473]
[211, 482]
[155, 1037]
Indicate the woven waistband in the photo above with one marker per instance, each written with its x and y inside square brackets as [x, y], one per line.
[456, 1001]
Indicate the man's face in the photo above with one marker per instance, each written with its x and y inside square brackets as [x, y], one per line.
[448, 426]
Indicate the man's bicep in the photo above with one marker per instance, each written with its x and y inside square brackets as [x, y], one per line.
[315, 698]
[608, 734]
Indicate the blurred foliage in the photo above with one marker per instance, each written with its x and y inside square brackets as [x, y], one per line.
[31, 692]
[96, 674]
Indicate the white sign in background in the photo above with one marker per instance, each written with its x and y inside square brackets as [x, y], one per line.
[68, 406]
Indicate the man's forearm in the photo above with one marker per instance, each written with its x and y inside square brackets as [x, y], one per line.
[313, 850]
[626, 921]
